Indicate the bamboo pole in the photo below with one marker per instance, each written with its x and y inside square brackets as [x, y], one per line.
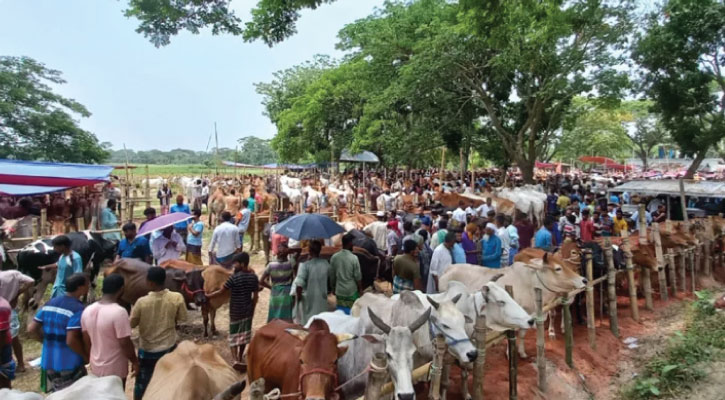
[691, 254]
[672, 266]
[708, 257]
[36, 227]
[80, 224]
[642, 225]
[540, 344]
[43, 221]
[568, 332]
[122, 209]
[513, 356]
[683, 204]
[634, 307]
[256, 390]
[647, 287]
[660, 262]
[147, 188]
[376, 377]
[446, 374]
[683, 269]
[611, 289]
[436, 368]
[480, 336]
[591, 323]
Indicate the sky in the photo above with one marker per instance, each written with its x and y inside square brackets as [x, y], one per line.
[163, 98]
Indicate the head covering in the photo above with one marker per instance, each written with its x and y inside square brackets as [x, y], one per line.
[425, 220]
[380, 214]
[491, 226]
[394, 226]
[471, 228]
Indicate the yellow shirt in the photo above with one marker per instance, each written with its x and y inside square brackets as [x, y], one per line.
[620, 225]
[156, 316]
[563, 202]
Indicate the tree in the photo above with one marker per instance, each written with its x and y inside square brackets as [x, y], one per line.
[38, 124]
[256, 151]
[646, 133]
[272, 20]
[683, 53]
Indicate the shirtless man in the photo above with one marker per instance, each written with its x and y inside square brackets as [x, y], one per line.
[232, 203]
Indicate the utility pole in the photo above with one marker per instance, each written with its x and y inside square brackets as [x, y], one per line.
[216, 150]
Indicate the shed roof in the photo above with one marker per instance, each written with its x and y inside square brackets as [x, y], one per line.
[671, 187]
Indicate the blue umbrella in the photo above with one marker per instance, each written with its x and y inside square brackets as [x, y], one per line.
[309, 226]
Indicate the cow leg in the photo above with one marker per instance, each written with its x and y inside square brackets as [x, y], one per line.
[212, 311]
[205, 317]
[552, 317]
[520, 343]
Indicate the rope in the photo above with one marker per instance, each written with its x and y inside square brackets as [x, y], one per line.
[276, 394]
[536, 271]
[370, 368]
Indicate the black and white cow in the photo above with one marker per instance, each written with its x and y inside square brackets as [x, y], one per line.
[92, 247]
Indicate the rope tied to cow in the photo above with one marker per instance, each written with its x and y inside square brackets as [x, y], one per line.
[276, 394]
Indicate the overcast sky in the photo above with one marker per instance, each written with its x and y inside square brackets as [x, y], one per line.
[169, 97]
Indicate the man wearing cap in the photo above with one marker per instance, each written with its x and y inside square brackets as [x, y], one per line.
[442, 258]
[491, 247]
[378, 230]
[460, 214]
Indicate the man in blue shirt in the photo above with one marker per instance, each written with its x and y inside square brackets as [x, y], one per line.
[551, 199]
[58, 325]
[251, 202]
[543, 237]
[459, 255]
[244, 217]
[68, 264]
[133, 246]
[181, 227]
[491, 248]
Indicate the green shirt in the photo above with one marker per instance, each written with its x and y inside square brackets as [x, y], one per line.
[406, 267]
[344, 273]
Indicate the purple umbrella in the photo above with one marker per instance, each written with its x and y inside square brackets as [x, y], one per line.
[163, 221]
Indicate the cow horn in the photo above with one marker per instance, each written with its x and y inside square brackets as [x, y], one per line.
[433, 302]
[546, 258]
[378, 322]
[232, 391]
[420, 321]
[456, 298]
[496, 277]
[343, 337]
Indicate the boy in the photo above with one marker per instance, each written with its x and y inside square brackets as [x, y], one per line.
[244, 287]
[68, 264]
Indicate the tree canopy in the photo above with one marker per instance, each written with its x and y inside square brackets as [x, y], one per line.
[38, 124]
[683, 52]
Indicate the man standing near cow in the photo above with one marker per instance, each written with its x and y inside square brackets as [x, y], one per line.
[544, 238]
[164, 195]
[243, 218]
[442, 258]
[7, 365]
[156, 316]
[378, 230]
[278, 277]
[182, 226]
[58, 326]
[133, 246]
[12, 284]
[68, 264]
[193, 241]
[226, 236]
[168, 245]
[107, 333]
[110, 221]
[406, 271]
[345, 275]
[311, 284]
[491, 252]
[244, 288]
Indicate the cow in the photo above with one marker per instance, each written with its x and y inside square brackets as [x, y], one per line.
[93, 248]
[92, 387]
[210, 279]
[396, 343]
[191, 372]
[216, 206]
[134, 274]
[298, 361]
[11, 394]
[553, 277]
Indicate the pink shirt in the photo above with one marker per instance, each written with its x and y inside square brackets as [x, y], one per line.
[105, 325]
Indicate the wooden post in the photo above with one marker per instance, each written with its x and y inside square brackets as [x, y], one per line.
[513, 356]
[147, 188]
[660, 262]
[591, 323]
[436, 368]
[446, 374]
[36, 227]
[480, 336]
[376, 377]
[568, 332]
[683, 204]
[671, 261]
[683, 269]
[540, 355]
[43, 221]
[122, 209]
[256, 390]
[647, 287]
[611, 289]
[634, 307]
[642, 225]
[691, 253]
[707, 254]
[80, 224]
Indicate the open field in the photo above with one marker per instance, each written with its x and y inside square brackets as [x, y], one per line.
[169, 170]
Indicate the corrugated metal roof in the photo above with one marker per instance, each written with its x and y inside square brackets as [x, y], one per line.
[672, 188]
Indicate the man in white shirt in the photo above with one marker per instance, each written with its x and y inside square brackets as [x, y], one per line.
[459, 214]
[378, 230]
[503, 234]
[226, 237]
[442, 258]
[484, 208]
[243, 223]
[168, 245]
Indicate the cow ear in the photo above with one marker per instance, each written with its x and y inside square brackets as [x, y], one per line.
[300, 334]
[341, 350]
[546, 258]
[373, 338]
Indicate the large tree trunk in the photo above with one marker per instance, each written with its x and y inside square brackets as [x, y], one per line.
[695, 164]
[527, 169]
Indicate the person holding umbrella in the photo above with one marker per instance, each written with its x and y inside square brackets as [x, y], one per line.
[168, 246]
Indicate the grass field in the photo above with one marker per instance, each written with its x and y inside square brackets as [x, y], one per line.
[169, 170]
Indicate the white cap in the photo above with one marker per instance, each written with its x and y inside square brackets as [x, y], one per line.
[380, 214]
[491, 226]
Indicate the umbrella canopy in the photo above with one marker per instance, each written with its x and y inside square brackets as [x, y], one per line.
[363, 157]
[162, 222]
[309, 226]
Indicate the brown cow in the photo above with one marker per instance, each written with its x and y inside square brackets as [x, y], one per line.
[296, 360]
[134, 274]
[191, 372]
[213, 279]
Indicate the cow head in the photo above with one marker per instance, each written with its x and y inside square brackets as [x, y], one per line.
[502, 312]
[399, 351]
[553, 275]
[318, 360]
[644, 255]
[193, 287]
[447, 320]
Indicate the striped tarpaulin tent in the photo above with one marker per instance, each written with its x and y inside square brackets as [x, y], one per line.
[22, 178]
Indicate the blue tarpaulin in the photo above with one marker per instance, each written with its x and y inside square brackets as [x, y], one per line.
[23, 178]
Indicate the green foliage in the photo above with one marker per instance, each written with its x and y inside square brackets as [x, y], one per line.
[256, 151]
[38, 124]
[252, 151]
[683, 51]
[679, 366]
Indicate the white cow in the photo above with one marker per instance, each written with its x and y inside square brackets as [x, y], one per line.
[396, 342]
[294, 195]
[8, 394]
[92, 387]
[553, 278]
[528, 199]
[294, 183]
[313, 196]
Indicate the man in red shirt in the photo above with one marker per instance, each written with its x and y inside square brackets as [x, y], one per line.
[586, 226]
[7, 365]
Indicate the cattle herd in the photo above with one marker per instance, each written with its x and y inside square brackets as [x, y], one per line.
[331, 355]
